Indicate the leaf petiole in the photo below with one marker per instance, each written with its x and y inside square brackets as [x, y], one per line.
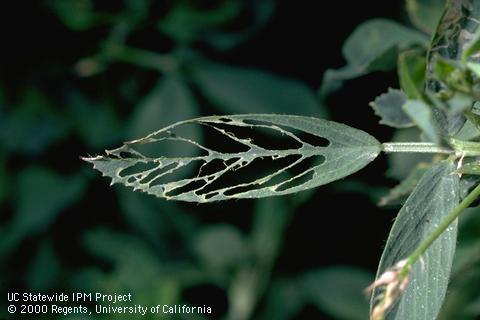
[415, 147]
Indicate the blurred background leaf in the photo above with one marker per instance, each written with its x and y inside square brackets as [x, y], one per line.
[80, 76]
[241, 90]
[339, 290]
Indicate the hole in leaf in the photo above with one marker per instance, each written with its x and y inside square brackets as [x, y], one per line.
[180, 173]
[214, 166]
[138, 168]
[232, 161]
[313, 140]
[257, 169]
[126, 155]
[295, 170]
[267, 138]
[193, 185]
[309, 138]
[168, 149]
[155, 173]
[298, 181]
[216, 140]
[211, 195]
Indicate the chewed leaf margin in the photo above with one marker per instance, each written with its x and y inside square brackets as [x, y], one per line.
[347, 150]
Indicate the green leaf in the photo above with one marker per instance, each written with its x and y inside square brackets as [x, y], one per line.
[434, 197]
[373, 38]
[4, 179]
[421, 115]
[470, 130]
[142, 215]
[225, 38]
[473, 118]
[467, 148]
[283, 301]
[77, 15]
[411, 73]
[220, 246]
[32, 126]
[373, 46]
[42, 194]
[316, 152]
[134, 265]
[459, 103]
[472, 48]
[470, 168]
[452, 36]
[425, 14]
[168, 102]
[43, 272]
[388, 107]
[402, 190]
[96, 123]
[443, 68]
[243, 90]
[186, 21]
[475, 67]
[338, 290]
[465, 282]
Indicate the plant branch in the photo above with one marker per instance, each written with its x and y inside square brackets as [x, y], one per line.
[145, 58]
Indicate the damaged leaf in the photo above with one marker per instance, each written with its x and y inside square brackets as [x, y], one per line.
[312, 152]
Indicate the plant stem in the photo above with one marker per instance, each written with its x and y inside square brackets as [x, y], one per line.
[420, 250]
[415, 147]
[145, 58]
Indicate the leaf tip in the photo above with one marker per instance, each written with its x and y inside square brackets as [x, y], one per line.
[91, 159]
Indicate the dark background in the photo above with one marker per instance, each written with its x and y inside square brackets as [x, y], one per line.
[337, 225]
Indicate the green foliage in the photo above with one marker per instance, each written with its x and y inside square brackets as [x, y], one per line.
[388, 107]
[425, 14]
[43, 194]
[373, 46]
[220, 246]
[123, 70]
[398, 194]
[338, 290]
[33, 126]
[421, 115]
[433, 198]
[241, 90]
[411, 73]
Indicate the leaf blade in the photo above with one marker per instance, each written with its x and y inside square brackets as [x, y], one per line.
[373, 46]
[434, 197]
[348, 151]
[388, 106]
[248, 90]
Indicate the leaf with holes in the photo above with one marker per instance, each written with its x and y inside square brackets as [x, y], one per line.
[270, 155]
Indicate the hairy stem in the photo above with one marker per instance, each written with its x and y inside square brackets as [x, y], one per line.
[415, 147]
[420, 250]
